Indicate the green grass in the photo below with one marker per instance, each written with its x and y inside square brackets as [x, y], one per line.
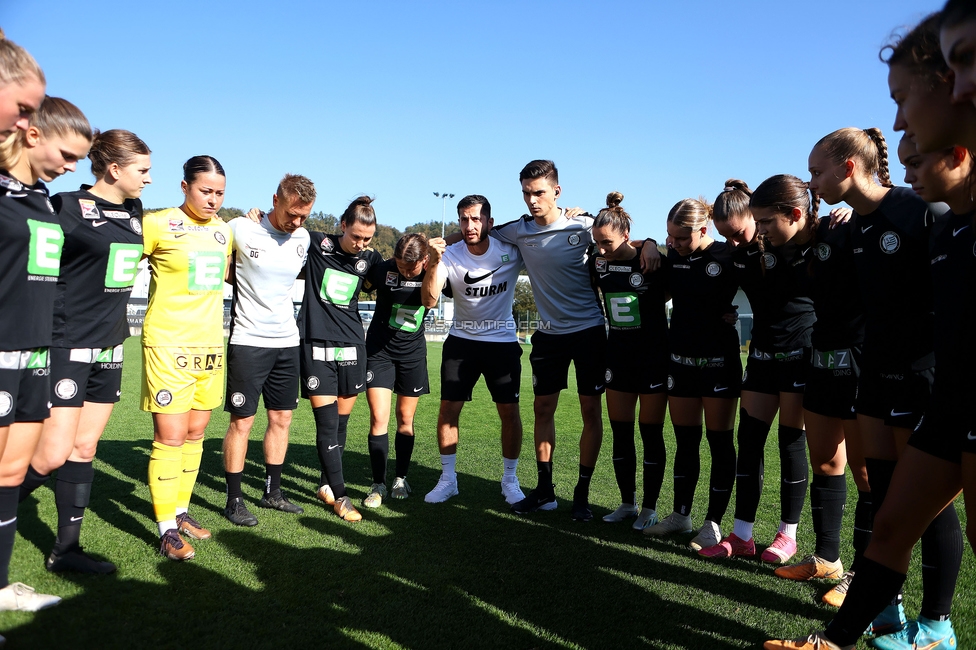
[464, 574]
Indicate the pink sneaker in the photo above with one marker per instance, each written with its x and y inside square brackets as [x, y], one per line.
[729, 547]
[781, 550]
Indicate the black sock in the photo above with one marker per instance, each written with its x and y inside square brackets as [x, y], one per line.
[404, 450]
[234, 485]
[8, 529]
[749, 465]
[32, 481]
[545, 476]
[863, 524]
[272, 479]
[582, 492]
[72, 491]
[655, 461]
[828, 497]
[625, 460]
[879, 477]
[873, 587]
[722, 475]
[327, 444]
[342, 432]
[687, 466]
[379, 451]
[794, 472]
[941, 558]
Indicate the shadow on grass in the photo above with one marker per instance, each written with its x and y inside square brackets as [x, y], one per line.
[466, 573]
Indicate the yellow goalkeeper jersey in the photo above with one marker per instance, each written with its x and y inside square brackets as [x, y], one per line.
[187, 260]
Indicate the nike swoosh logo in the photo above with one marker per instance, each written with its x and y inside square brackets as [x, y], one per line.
[894, 415]
[99, 223]
[8, 522]
[657, 385]
[600, 387]
[958, 230]
[971, 436]
[751, 253]
[118, 393]
[171, 478]
[179, 234]
[719, 390]
[417, 390]
[694, 259]
[77, 518]
[603, 275]
[358, 386]
[331, 447]
[864, 229]
[796, 385]
[189, 471]
[469, 280]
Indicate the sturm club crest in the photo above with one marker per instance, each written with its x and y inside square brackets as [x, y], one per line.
[823, 252]
[574, 239]
[136, 224]
[670, 382]
[636, 279]
[369, 376]
[300, 250]
[219, 236]
[66, 389]
[890, 242]
[361, 266]
[238, 399]
[164, 397]
[6, 403]
[608, 376]
[312, 382]
[713, 269]
[769, 260]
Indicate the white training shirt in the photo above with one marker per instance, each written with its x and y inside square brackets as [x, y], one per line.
[484, 289]
[267, 263]
[555, 259]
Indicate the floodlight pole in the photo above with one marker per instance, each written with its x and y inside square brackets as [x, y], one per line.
[445, 196]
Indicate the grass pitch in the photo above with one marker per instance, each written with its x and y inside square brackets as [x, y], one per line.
[463, 574]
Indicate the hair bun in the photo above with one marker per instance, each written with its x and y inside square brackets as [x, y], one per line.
[614, 199]
[735, 184]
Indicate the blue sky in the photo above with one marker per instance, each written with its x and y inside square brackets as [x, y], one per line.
[660, 101]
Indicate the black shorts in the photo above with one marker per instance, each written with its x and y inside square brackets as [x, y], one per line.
[268, 372]
[832, 383]
[773, 373]
[897, 397]
[719, 377]
[551, 354]
[944, 429]
[331, 368]
[404, 376]
[464, 360]
[82, 375]
[634, 371]
[25, 386]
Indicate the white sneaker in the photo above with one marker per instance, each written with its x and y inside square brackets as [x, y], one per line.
[444, 490]
[19, 597]
[625, 511]
[673, 523]
[646, 518]
[708, 536]
[512, 491]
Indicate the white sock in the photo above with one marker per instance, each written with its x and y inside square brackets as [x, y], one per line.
[169, 524]
[510, 464]
[742, 529]
[448, 463]
[180, 511]
[788, 529]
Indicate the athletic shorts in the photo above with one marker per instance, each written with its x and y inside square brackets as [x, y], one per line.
[178, 380]
[332, 368]
[705, 376]
[80, 375]
[269, 372]
[463, 361]
[25, 386]
[832, 383]
[773, 373]
[943, 430]
[898, 397]
[551, 354]
[643, 374]
[404, 376]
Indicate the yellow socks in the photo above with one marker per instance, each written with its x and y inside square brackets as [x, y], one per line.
[164, 483]
[190, 464]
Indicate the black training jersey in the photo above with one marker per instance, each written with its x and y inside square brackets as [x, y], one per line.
[891, 255]
[398, 322]
[702, 287]
[30, 258]
[836, 299]
[777, 282]
[953, 262]
[634, 303]
[333, 280]
[99, 265]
